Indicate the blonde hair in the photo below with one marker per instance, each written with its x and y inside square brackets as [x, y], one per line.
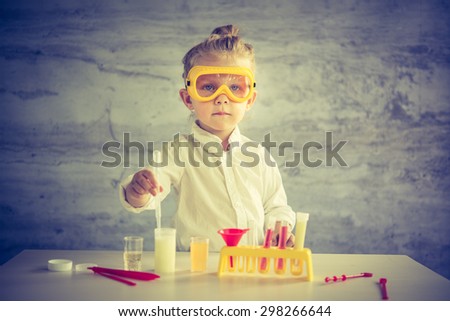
[222, 41]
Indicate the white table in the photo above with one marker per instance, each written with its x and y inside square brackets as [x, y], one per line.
[26, 277]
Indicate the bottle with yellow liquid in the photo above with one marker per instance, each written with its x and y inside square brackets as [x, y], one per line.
[300, 229]
[300, 232]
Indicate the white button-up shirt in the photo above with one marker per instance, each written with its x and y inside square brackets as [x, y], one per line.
[219, 189]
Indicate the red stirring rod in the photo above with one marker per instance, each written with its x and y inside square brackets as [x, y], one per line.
[344, 277]
[384, 294]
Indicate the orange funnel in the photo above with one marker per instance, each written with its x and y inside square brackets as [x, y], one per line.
[232, 236]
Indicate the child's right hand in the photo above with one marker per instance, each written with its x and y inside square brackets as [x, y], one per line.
[143, 184]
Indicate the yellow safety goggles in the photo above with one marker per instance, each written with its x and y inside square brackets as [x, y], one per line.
[205, 83]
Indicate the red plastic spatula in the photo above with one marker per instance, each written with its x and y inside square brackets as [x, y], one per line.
[116, 274]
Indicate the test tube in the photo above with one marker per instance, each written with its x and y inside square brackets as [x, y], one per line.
[263, 266]
[300, 232]
[280, 267]
[300, 229]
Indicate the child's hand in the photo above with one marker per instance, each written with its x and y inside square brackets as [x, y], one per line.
[290, 238]
[289, 243]
[142, 185]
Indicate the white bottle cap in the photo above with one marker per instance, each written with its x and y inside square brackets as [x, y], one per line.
[59, 265]
[301, 217]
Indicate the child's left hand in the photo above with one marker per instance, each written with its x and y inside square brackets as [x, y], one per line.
[290, 239]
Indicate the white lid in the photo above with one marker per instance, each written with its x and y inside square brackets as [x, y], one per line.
[59, 265]
[83, 267]
[302, 216]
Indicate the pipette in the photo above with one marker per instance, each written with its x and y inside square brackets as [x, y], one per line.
[157, 161]
[344, 277]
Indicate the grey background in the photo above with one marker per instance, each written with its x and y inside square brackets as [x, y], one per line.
[76, 74]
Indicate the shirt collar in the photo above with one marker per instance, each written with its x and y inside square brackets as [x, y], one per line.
[204, 137]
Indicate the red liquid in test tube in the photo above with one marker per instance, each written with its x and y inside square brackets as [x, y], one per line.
[281, 263]
[267, 243]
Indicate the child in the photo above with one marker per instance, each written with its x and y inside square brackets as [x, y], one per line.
[221, 177]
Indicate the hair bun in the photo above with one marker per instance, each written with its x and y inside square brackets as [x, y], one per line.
[224, 40]
[228, 31]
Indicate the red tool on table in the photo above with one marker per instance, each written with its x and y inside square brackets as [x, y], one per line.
[119, 275]
[384, 294]
[344, 277]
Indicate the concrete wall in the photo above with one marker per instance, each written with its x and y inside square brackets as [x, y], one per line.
[76, 74]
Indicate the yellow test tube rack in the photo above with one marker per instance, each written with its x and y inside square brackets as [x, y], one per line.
[259, 260]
